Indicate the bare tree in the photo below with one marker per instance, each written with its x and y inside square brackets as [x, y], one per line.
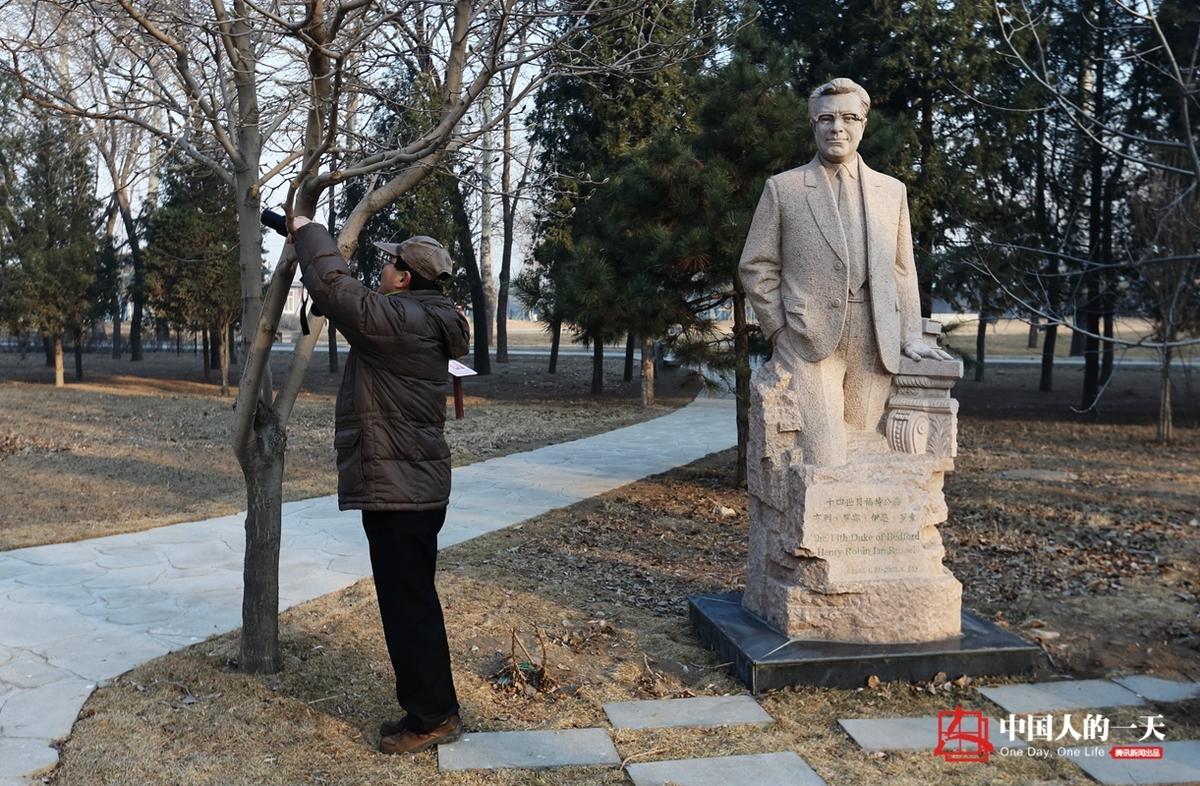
[1130, 112]
[464, 44]
[268, 85]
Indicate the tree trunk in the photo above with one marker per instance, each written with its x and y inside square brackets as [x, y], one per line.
[597, 367]
[1046, 383]
[214, 353]
[249, 208]
[207, 367]
[508, 207]
[58, 361]
[925, 232]
[647, 372]
[980, 345]
[1091, 351]
[1106, 361]
[479, 306]
[630, 346]
[1033, 332]
[333, 349]
[555, 339]
[741, 354]
[233, 344]
[1078, 325]
[260, 576]
[116, 333]
[1091, 347]
[48, 348]
[178, 341]
[137, 287]
[485, 213]
[223, 351]
[1166, 426]
[78, 354]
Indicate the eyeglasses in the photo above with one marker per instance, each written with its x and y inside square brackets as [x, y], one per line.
[848, 118]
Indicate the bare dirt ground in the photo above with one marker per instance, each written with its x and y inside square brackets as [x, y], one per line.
[1102, 569]
[139, 445]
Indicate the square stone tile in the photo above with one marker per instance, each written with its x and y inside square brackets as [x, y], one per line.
[699, 711]
[905, 734]
[1064, 695]
[1180, 764]
[1158, 689]
[529, 750]
[762, 769]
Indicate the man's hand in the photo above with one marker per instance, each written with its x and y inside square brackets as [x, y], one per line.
[918, 349]
[298, 222]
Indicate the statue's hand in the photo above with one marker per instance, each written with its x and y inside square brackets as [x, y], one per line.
[918, 350]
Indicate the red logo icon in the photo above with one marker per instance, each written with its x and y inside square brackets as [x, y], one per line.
[963, 736]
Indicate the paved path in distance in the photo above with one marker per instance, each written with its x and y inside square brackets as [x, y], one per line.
[75, 614]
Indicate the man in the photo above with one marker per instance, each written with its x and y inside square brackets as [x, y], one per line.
[828, 268]
[392, 458]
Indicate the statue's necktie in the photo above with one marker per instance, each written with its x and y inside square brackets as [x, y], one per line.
[850, 208]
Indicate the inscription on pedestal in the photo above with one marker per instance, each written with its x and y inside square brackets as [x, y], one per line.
[869, 536]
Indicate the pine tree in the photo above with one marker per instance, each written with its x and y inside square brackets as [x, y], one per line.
[585, 129]
[52, 238]
[193, 275]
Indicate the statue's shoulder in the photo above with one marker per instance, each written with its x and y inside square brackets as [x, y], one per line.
[792, 178]
[887, 181]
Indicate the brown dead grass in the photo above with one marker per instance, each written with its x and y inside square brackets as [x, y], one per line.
[125, 451]
[605, 581]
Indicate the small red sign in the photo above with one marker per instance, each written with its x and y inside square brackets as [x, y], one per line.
[963, 736]
[1127, 752]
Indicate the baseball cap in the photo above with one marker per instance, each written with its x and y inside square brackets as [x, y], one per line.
[423, 255]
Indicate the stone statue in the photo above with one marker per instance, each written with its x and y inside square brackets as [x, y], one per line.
[852, 425]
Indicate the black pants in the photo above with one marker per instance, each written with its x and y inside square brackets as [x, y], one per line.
[403, 560]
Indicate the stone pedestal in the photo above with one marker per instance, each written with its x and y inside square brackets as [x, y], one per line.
[852, 553]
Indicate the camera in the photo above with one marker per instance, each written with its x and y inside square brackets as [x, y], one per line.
[277, 221]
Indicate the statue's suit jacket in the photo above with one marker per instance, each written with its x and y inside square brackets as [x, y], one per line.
[794, 266]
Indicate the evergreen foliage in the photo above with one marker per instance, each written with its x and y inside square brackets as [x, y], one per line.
[49, 247]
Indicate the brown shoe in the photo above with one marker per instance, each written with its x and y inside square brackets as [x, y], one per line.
[406, 741]
[390, 727]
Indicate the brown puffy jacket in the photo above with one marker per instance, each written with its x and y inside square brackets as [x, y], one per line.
[391, 408]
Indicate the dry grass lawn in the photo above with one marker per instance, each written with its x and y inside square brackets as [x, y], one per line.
[140, 445]
[1102, 569]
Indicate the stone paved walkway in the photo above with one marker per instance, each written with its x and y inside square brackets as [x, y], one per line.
[74, 614]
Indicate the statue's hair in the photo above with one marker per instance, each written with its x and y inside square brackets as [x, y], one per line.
[840, 86]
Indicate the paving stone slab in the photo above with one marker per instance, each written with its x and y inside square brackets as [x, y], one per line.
[699, 711]
[1158, 689]
[906, 734]
[45, 712]
[27, 670]
[762, 769]
[1055, 475]
[1180, 764]
[22, 755]
[1063, 695]
[529, 750]
[60, 575]
[102, 656]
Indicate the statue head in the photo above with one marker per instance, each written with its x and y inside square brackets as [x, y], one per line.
[838, 111]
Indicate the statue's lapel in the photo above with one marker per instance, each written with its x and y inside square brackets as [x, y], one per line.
[824, 208]
[874, 208]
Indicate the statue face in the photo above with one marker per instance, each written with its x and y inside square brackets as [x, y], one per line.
[838, 124]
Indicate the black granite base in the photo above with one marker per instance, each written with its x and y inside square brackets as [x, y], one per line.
[764, 659]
